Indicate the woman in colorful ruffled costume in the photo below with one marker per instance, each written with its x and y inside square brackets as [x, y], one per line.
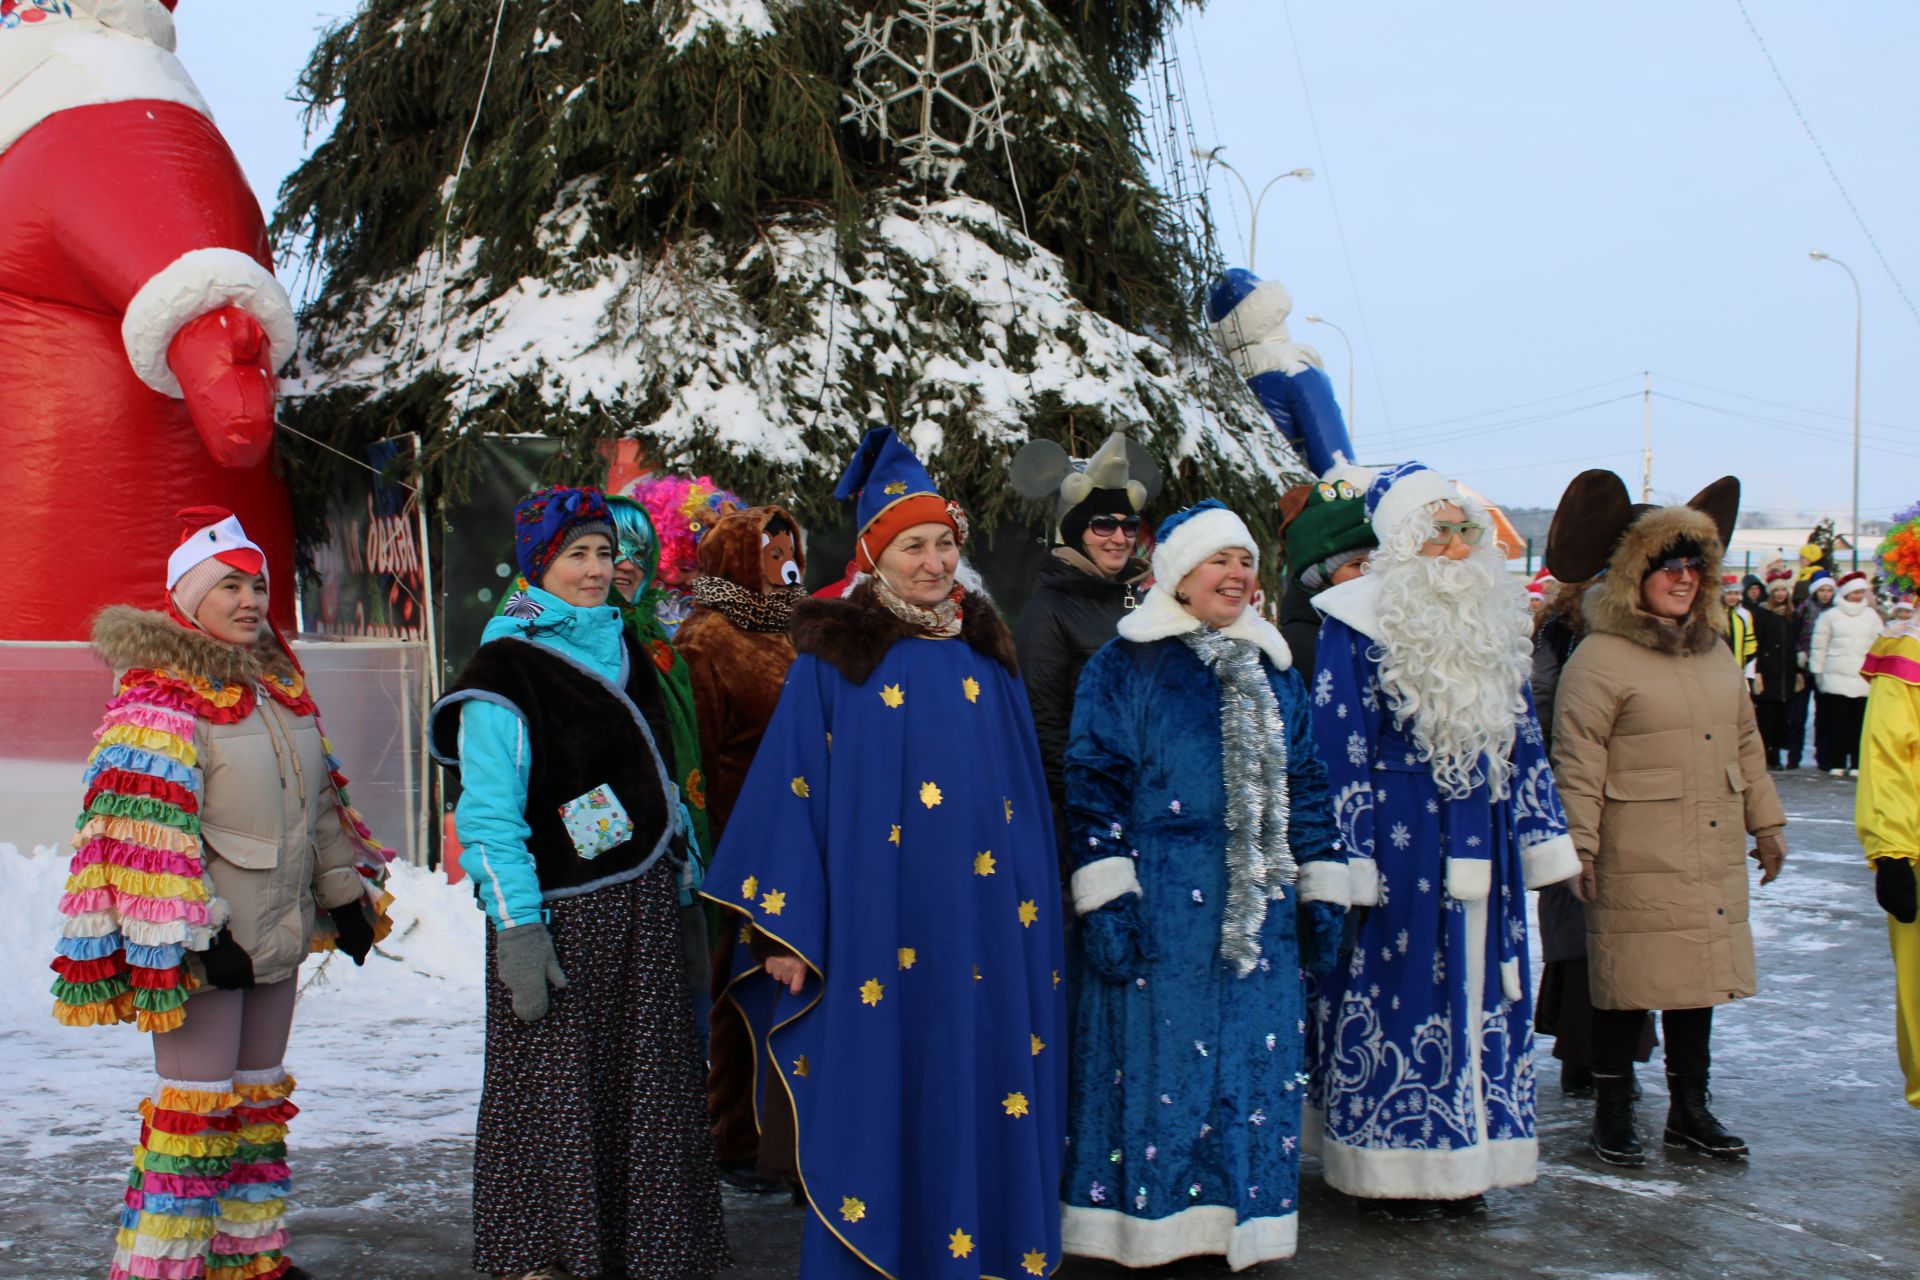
[575, 844]
[891, 857]
[682, 510]
[216, 849]
[1886, 809]
[1207, 872]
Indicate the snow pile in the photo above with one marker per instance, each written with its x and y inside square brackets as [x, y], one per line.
[390, 1049]
[722, 19]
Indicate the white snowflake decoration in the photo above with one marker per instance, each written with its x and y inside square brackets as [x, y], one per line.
[930, 70]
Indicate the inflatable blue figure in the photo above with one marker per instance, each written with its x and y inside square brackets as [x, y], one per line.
[1248, 318]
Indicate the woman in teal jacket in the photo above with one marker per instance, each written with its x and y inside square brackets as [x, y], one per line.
[570, 828]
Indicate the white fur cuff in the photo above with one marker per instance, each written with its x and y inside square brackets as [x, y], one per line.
[189, 287]
[1100, 882]
[1325, 880]
[1363, 876]
[1469, 879]
[1549, 862]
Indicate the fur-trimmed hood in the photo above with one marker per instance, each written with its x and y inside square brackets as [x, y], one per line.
[128, 637]
[1611, 605]
[854, 632]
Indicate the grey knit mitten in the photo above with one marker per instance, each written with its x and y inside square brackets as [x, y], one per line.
[524, 955]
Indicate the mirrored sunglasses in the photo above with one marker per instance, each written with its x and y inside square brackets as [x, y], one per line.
[1680, 564]
[1468, 531]
[1107, 526]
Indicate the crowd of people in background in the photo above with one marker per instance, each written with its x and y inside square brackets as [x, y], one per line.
[995, 946]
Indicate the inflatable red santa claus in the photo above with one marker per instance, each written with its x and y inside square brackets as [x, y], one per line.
[140, 322]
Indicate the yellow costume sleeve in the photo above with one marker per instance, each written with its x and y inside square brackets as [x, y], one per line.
[1886, 809]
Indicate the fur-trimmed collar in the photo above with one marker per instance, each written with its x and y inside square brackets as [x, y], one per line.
[128, 637]
[1355, 602]
[1611, 605]
[854, 632]
[1160, 616]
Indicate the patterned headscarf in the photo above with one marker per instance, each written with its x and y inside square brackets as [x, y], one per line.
[548, 522]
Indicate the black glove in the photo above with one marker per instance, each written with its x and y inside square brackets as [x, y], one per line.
[354, 932]
[1115, 941]
[227, 964]
[1893, 888]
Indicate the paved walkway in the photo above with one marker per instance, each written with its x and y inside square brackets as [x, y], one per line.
[1805, 1071]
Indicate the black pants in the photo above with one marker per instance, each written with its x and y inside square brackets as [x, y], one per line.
[1617, 1034]
[1836, 731]
[1772, 720]
[1796, 743]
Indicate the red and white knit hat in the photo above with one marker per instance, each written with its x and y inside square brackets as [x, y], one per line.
[212, 545]
[1850, 580]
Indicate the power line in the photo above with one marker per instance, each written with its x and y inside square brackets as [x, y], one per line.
[1346, 254]
[1826, 160]
[1524, 404]
[1781, 404]
[1534, 419]
[1558, 462]
[1795, 428]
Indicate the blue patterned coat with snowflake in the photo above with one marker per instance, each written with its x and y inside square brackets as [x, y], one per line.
[1422, 1048]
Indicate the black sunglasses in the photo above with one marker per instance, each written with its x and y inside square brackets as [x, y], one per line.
[1680, 564]
[1106, 526]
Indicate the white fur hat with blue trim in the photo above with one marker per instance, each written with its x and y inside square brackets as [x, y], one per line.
[1189, 536]
[1398, 491]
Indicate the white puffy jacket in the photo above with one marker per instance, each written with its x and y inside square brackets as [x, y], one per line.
[1841, 639]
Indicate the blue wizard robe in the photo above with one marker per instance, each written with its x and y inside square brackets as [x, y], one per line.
[1423, 1073]
[1186, 1084]
[895, 833]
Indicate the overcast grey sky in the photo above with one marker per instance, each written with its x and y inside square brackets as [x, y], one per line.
[1536, 199]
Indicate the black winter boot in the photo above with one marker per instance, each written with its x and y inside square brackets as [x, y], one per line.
[1614, 1140]
[1691, 1125]
[1576, 1081]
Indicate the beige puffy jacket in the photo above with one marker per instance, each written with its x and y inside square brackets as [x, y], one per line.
[270, 825]
[1663, 776]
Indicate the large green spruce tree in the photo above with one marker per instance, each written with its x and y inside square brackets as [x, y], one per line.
[666, 220]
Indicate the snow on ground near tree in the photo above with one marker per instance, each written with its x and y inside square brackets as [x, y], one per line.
[394, 1047]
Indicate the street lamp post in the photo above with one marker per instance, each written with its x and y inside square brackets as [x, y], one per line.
[1859, 312]
[1212, 157]
[1349, 341]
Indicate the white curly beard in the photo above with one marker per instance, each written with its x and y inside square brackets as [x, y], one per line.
[1454, 655]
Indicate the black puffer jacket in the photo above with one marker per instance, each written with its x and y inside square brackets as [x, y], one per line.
[1300, 627]
[1073, 612]
[1775, 659]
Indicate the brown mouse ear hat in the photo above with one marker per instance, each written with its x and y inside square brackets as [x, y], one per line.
[1595, 513]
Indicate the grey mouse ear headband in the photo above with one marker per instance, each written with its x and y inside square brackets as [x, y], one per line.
[1042, 470]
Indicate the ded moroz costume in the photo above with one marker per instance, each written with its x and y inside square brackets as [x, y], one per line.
[1423, 1078]
[893, 834]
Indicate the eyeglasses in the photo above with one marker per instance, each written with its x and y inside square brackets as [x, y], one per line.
[1678, 565]
[1468, 531]
[1107, 526]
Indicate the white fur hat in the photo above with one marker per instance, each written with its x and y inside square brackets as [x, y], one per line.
[1398, 491]
[1186, 538]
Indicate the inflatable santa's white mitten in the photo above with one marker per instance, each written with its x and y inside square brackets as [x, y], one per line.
[1248, 318]
[140, 321]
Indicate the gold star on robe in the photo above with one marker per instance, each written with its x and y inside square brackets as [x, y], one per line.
[1038, 1045]
[1035, 1263]
[1056, 977]
[1015, 1103]
[959, 1244]
[746, 934]
[983, 863]
[893, 836]
[891, 695]
[851, 1209]
[1028, 914]
[930, 794]
[971, 688]
[799, 786]
[908, 957]
[872, 991]
[1009, 808]
[800, 1066]
[976, 973]
[750, 888]
[775, 902]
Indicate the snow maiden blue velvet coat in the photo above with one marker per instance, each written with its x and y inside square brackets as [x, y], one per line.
[1423, 1076]
[1186, 1084]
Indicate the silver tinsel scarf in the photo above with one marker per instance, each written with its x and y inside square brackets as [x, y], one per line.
[1253, 765]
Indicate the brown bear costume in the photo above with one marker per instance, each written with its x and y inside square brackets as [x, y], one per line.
[737, 652]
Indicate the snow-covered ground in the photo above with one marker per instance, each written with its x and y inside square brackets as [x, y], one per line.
[388, 1049]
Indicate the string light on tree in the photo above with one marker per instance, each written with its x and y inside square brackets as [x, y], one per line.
[927, 80]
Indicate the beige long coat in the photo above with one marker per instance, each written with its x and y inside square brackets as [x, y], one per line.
[274, 847]
[1663, 777]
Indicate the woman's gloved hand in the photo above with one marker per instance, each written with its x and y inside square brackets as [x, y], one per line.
[353, 932]
[1321, 926]
[1771, 853]
[227, 964]
[1894, 889]
[524, 955]
[1115, 941]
